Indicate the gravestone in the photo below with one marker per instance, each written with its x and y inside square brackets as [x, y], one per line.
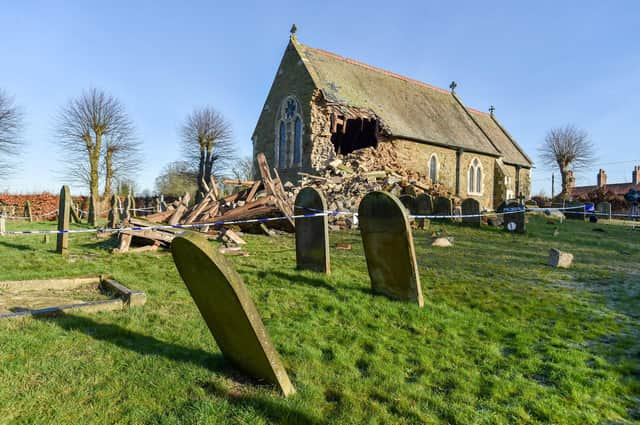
[64, 214]
[409, 203]
[443, 207]
[513, 217]
[227, 308]
[388, 247]
[575, 211]
[125, 212]
[471, 207]
[603, 210]
[2, 225]
[424, 206]
[312, 233]
[114, 212]
[28, 212]
[93, 211]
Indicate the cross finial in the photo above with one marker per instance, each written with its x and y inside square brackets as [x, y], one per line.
[293, 30]
[491, 109]
[453, 86]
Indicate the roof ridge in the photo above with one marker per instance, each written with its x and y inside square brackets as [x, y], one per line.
[375, 68]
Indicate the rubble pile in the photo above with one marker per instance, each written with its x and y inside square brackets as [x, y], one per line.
[346, 180]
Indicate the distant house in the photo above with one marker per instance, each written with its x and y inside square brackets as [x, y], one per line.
[321, 105]
[619, 189]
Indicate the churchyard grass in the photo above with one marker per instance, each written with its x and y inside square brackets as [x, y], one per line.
[502, 337]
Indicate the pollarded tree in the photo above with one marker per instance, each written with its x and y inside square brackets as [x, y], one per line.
[567, 148]
[207, 145]
[121, 161]
[10, 126]
[86, 127]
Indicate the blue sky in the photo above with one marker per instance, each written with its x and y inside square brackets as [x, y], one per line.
[542, 64]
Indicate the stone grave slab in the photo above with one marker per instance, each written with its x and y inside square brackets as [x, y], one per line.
[64, 214]
[424, 206]
[54, 296]
[388, 248]
[443, 206]
[471, 206]
[227, 308]
[312, 233]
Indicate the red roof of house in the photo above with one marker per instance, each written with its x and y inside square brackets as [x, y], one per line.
[616, 188]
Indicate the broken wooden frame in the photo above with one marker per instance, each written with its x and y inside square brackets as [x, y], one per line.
[123, 297]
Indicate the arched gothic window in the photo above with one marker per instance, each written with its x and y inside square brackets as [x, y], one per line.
[474, 178]
[433, 168]
[289, 137]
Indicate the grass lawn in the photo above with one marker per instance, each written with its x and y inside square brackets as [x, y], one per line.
[502, 337]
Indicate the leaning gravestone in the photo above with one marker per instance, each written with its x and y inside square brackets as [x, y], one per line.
[603, 210]
[312, 233]
[388, 247]
[513, 217]
[64, 213]
[228, 310]
[471, 212]
[125, 211]
[28, 212]
[443, 207]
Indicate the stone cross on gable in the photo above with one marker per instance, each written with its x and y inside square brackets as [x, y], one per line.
[492, 109]
[453, 86]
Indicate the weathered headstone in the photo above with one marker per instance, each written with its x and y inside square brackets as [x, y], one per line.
[64, 214]
[388, 247]
[3, 227]
[471, 212]
[424, 206]
[312, 233]
[513, 217]
[443, 207]
[27, 211]
[575, 211]
[409, 203]
[93, 211]
[114, 212]
[125, 212]
[227, 308]
[603, 210]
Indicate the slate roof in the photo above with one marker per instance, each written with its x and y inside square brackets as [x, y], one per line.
[512, 153]
[409, 108]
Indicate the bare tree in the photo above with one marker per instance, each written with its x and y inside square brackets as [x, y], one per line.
[243, 168]
[567, 148]
[207, 145]
[121, 160]
[176, 178]
[86, 127]
[10, 126]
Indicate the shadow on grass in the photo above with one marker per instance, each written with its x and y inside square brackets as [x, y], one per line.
[18, 246]
[133, 341]
[297, 279]
[274, 410]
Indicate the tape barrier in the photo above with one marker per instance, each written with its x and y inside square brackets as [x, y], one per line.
[314, 213]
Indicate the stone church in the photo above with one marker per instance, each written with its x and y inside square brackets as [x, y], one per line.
[321, 105]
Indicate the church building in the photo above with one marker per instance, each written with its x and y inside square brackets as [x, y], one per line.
[322, 105]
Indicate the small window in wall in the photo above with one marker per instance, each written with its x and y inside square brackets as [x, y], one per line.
[475, 178]
[289, 125]
[433, 168]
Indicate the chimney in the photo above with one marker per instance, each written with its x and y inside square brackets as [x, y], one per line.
[635, 176]
[602, 179]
